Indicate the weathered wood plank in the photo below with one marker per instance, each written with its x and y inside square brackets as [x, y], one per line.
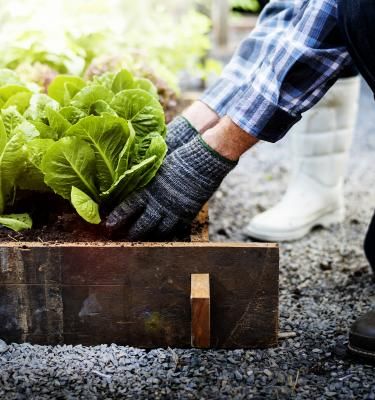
[200, 311]
[137, 294]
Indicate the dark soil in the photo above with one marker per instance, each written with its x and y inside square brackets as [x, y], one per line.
[55, 221]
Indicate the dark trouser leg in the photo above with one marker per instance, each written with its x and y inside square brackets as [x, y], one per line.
[370, 244]
[356, 19]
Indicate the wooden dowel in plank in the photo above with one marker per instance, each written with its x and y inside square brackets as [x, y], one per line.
[200, 311]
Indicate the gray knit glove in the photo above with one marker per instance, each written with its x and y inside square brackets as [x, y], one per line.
[179, 132]
[187, 179]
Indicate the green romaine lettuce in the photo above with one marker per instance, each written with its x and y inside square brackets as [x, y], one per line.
[16, 222]
[107, 135]
[64, 87]
[92, 143]
[70, 162]
[12, 158]
[85, 206]
[142, 109]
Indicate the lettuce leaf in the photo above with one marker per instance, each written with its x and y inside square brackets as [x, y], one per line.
[32, 177]
[153, 145]
[64, 87]
[107, 136]
[14, 123]
[85, 206]
[16, 222]
[12, 158]
[122, 81]
[20, 100]
[147, 86]
[142, 109]
[127, 182]
[89, 95]
[57, 122]
[6, 92]
[39, 103]
[70, 162]
[72, 114]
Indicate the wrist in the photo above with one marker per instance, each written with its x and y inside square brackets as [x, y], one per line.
[214, 153]
[202, 164]
[228, 139]
[200, 116]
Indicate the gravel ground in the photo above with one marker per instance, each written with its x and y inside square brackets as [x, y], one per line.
[325, 284]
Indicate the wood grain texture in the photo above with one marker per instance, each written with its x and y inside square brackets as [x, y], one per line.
[200, 311]
[137, 294]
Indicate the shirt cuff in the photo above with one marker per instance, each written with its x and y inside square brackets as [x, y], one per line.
[261, 118]
[219, 95]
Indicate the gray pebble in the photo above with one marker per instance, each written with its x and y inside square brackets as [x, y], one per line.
[3, 346]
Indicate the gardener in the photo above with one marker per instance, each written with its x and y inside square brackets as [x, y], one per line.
[298, 61]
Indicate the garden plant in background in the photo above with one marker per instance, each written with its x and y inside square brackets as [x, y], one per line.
[40, 39]
[90, 142]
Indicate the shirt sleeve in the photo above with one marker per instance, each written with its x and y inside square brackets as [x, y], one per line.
[303, 64]
[248, 57]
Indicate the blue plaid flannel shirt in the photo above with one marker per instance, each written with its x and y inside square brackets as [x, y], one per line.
[284, 67]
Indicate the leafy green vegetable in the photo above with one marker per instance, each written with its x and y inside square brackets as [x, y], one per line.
[6, 92]
[72, 114]
[14, 123]
[21, 100]
[11, 119]
[39, 103]
[142, 109]
[16, 222]
[12, 157]
[31, 177]
[70, 162]
[64, 87]
[57, 122]
[85, 206]
[107, 136]
[147, 86]
[89, 95]
[153, 145]
[122, 81]
[91, 143]
[127, 182]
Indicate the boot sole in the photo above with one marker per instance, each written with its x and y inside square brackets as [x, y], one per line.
[369, 355]
[325, 221]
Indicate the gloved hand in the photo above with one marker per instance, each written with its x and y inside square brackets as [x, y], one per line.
[187, 179]
[179, 132]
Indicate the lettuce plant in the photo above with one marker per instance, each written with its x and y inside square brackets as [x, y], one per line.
[92, 143]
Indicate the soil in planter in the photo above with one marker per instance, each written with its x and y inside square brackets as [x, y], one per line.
[55, 221]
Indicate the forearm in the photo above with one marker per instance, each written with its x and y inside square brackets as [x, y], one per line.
[222, 135]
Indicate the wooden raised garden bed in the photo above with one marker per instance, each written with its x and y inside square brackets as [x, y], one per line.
[139, 294]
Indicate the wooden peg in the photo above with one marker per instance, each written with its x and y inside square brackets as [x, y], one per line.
[200, 311]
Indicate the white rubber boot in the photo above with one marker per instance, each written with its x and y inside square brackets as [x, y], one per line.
[320, 146]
